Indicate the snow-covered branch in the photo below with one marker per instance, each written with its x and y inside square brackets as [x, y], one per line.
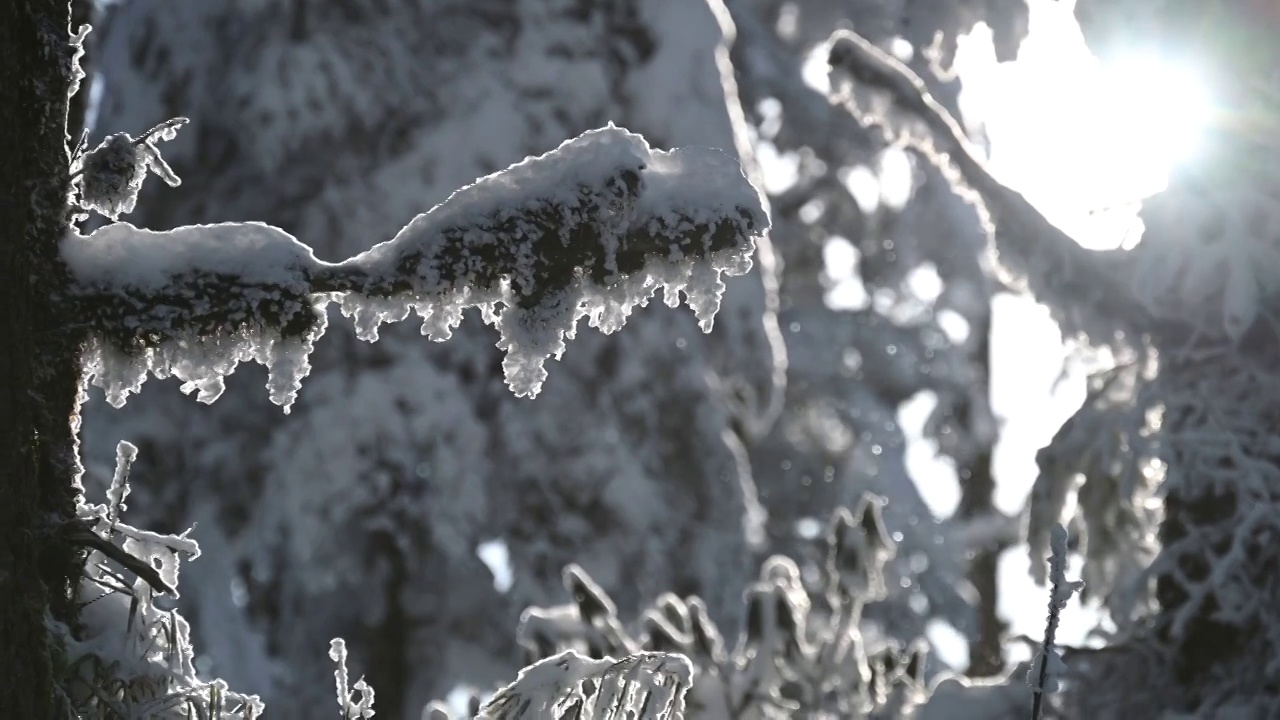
[1086, 290]
[590, 229]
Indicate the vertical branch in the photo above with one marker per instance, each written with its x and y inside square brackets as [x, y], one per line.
[38, 364]
[1048, 665]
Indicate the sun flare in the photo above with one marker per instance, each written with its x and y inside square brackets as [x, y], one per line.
[1153, 111]
[1083, 140]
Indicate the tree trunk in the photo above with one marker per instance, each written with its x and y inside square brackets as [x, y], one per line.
[38, 364]
[978, 489]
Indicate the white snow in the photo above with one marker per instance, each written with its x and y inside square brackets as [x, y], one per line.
[646, 686]
[121, 256]
[109, 177]
[497, 557]
[201, 299]
[590, 229]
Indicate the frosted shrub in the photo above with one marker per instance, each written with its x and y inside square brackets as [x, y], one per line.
[589, 230]
[109, 177]
[801, 654]
[569, 686]
[131, 657]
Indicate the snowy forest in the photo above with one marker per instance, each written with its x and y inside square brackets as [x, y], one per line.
[719, 399]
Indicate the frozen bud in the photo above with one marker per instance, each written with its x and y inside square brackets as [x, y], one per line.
[660, 635]
[760, 613]
[675, 611]
[872, 523]
[706, 636]
[593, 604]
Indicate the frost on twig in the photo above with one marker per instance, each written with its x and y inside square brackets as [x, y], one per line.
[643, 686]
[352, 709]
[589, 230]
[108, 178]
[130, 657]
[1048, 665]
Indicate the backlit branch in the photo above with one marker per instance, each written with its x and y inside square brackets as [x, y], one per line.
[1086, 289]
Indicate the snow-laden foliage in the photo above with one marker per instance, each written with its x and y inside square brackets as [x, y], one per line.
[589, 230]
[1105, 462]
[569, 686]
[383, 469]
[108, 178]
[1180, 431]
[1086, 291]
[340, 123]
[1217, 265]
[193, 303]
[131, 655]
[804, 651]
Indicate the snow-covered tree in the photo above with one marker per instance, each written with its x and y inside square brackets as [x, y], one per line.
[885, 295]
[587, 231]
[347, 119]
[360, 514]
[504, 79]
[1184, 415]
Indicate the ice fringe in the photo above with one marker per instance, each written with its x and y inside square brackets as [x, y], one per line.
[589, 230]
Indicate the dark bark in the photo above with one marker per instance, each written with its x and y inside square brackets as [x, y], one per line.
[977, 499]
[38, 362]
[388, 643]
[83, 12]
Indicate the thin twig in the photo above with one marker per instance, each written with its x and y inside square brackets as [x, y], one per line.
[172, 123]
[78, 534]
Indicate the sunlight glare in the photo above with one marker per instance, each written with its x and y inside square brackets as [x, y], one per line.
[1081, 140]
[1155, 109]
